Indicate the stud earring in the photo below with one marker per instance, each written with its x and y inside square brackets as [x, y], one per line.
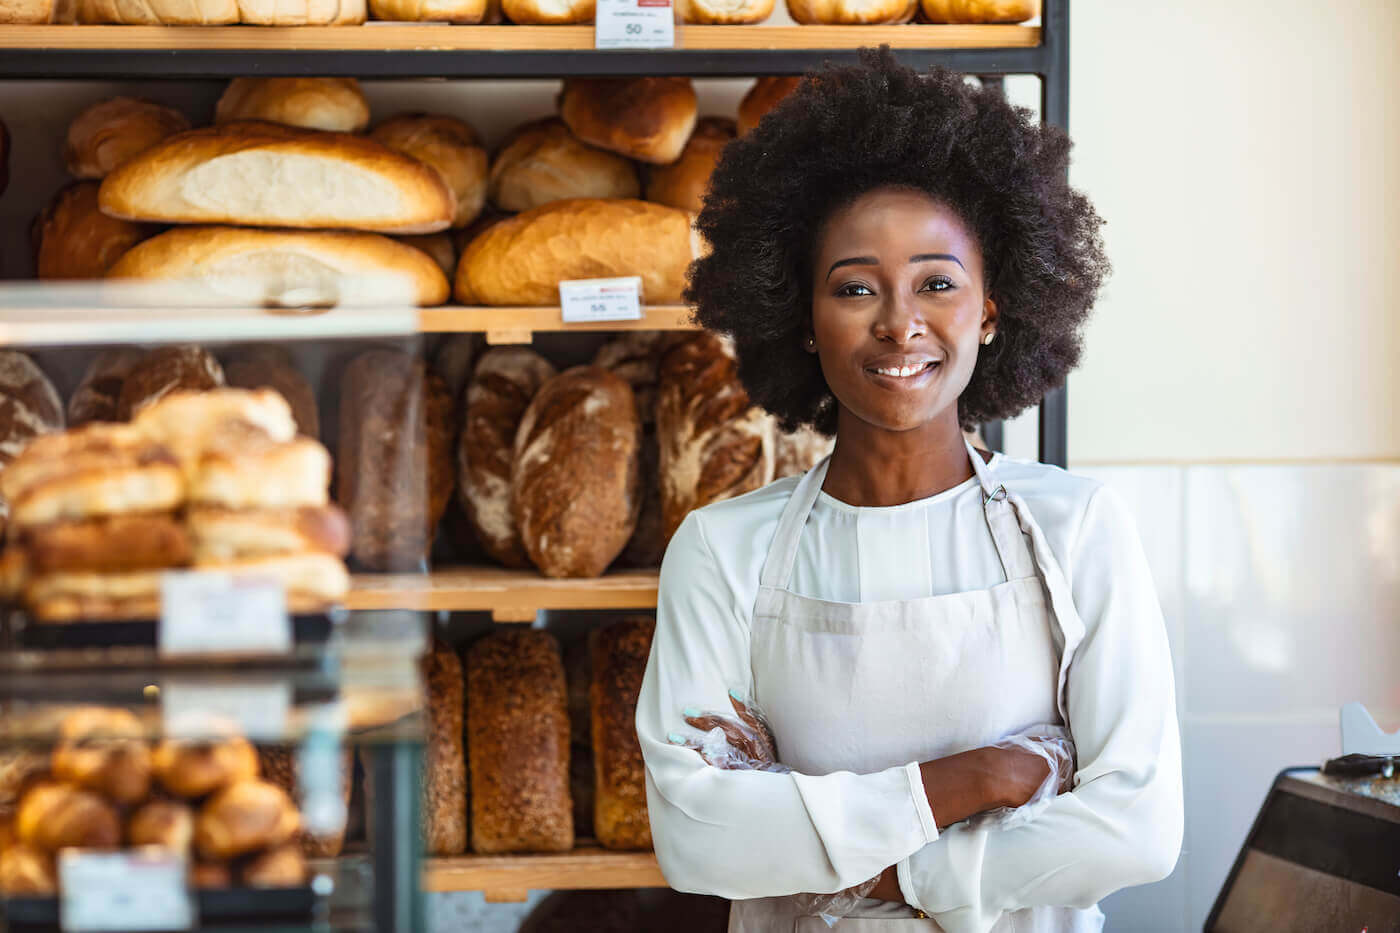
[987, 340]
[811, 343]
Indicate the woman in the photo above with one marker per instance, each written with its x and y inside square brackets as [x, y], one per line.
[898, 258]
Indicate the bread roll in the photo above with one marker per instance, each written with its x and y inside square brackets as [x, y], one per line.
[193, 768]
[575, 482]
[980, 11]
[765, 94]
[244, 818]
[439, 248]
[164, 371]
[311, 582]
[636, 357]
[505, 381]
[544, 161]
[518, 743]
[104, 750]
[168, 824]
[280, 767]
[25, 12]
[619, 660]
[545, 13]
[95, 398]
[108, 544]
[197, 425]
[246, 174]
[394, 469]
[852, 12]
[262, 474]
[205, 876]
[74, 597]
[798, 451]
[332, 104]
[111, 131]
[721, 13]
[26, 871]
[302, 12]
[282, 867]
[220, 534]
[444, 759]
[648, 119]
[286, 267]
[684, 182]
[271, 367]
[76, 240]
[714, 443]
[59, 816]
[462, 12]
[160, 12]
[521, 261]
[450, 147]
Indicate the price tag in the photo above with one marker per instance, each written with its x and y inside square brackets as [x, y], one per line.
[634, 24]
[602, 299]
[190, 710]
[139, 889]
[203, 612]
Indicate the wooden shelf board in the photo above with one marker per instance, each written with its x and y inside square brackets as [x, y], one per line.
[514, 325]
[511, 595]
[441, 37]
[512, 877]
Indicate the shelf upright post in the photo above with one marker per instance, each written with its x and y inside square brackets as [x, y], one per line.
[394, 836]
[1054, 110]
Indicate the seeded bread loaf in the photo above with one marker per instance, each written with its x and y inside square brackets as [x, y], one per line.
[619, 660]
[444, 759]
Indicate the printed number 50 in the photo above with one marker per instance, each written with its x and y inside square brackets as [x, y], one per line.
[634, 29]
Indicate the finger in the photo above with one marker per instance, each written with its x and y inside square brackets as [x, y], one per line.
[737, 738]
[760, 728]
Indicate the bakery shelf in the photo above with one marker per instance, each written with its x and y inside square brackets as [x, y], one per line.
[516, 325]
[504, 878]
[434, 50]
[509, 595]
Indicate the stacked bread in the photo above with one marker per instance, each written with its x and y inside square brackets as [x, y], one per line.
[29, 406]
[108, 787]
[210, 480]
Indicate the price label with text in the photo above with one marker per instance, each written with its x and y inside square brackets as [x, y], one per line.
[634, 24]
[602, 299]
[203, 612]
[259, 710]
[139, 889]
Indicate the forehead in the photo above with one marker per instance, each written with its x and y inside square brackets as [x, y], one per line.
[896, 218]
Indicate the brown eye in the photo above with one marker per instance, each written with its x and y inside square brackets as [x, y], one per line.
[937, 283]
[853, 290]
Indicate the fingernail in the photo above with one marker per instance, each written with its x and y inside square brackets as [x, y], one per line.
[690, 712]
[675, 739]
[736, 696]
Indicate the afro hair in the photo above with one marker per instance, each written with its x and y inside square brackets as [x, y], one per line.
[849, 130]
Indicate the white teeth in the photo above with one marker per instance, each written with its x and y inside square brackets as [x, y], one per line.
[902, 371]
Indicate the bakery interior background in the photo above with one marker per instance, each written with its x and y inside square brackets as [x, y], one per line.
[1240, 382]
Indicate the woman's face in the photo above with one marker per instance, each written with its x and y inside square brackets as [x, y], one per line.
[898, 308]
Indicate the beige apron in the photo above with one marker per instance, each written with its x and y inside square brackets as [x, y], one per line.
[866, 686]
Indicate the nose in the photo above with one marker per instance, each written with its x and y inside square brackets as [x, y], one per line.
[900, 320]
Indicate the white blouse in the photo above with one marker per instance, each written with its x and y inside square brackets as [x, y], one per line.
[744, 834]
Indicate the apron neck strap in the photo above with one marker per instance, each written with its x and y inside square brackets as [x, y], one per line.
[990, 486]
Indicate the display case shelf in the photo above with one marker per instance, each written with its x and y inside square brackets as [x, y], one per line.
[506, 878]
[509, 595]
[518, 325]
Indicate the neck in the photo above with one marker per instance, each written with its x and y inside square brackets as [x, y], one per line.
[871, 466]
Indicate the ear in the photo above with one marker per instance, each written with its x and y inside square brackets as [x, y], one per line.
[989, 315]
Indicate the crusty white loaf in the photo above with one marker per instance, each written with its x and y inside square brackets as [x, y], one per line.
[286, 267]
[548, 12]
[714, 443]
[113, 130]
[575, 486]
[724, 12]
[980, 11]
[160, 12]
[245, 173]
[648, 119]
[852, 12]
[302, 12]
[765, 94]
[75, 240]
[332, 104]
[26, 12]
[683, 183]
[521, 260]
[462, 12]
[501, 387]
[544, 161]
[448, 145]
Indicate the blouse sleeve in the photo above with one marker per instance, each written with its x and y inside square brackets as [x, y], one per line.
[1122, 823]
[747, 834]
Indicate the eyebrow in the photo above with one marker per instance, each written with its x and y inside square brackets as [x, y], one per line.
[872, 261]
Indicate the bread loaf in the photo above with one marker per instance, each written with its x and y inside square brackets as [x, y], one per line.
[980, 11]
[331, 104]
[285, 267]
[648, 119]
[450, 147]
[24, 870]
[714, 443]
[394, 470]
[243, 818]
[160, 12]
[518, 743]
[279, 766]
[798, 451]
[112, 131]
[194, 768]
[147, 542]
[302, 12]
[75, 240]
[219, 534]
[765, 94]
[95, 398]
[168, 824]
[575, 480]
[262, 474]
[270, 367]
[545, 13]
[852, 12]
[578, 670]
[544, 161]
[166, 370]
[684, 182]
[505, 380]
[29, 407]
[521, 261]
[55, 816]
[619, 660]
[205, 876]
[26, 12]
[194, 424]
[439, 248]
[282, 867]
[104, 750]
[240, 173]
[463, 12]
[444, 759]
[721, 13]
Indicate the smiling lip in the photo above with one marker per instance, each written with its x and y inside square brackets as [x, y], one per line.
[901, 371]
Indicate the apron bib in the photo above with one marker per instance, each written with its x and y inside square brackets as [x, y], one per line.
[866, 686]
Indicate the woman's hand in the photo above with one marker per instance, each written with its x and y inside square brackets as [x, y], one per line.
[744, 743]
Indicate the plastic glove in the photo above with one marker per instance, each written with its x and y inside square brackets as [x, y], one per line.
[832, 907]
[1054, 745]
[741, 742]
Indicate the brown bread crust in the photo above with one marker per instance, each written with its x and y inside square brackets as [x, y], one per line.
[619, 660]
[444, 759]
[648, 119]
[78, 241]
